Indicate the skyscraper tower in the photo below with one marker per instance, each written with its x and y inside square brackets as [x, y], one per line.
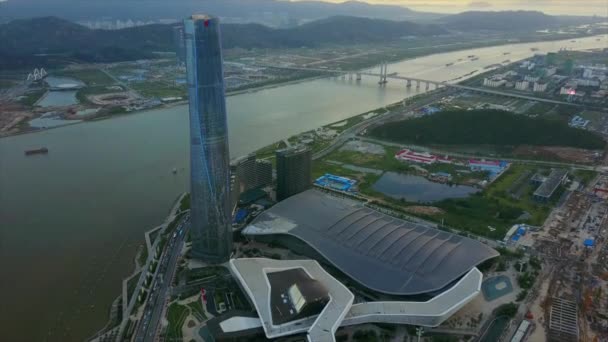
[211, 229]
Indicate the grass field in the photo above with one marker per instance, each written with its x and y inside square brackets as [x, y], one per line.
[91, 77]
[159, 89]
[494, 207]
[176, 316]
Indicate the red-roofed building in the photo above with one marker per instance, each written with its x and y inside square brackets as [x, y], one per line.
[423, 158]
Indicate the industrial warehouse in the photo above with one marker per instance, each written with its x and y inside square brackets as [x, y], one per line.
[405, 273]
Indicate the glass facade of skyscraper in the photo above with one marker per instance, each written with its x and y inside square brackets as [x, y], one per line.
[209, 157]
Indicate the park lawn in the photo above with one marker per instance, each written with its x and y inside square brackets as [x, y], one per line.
[494, 207]
[365, 180]
[143, 255]
[131, 284]
[176, 316]
[91, 77]
[197, 310]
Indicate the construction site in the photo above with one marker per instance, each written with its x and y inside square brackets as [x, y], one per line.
[571, 301]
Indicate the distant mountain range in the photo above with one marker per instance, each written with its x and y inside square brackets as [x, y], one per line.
[510, 21]
[246, 10]
[41, 39]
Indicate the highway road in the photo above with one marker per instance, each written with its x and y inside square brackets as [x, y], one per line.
[160, 287]
[352, 132]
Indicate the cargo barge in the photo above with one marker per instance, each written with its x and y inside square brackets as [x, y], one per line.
[42, 150]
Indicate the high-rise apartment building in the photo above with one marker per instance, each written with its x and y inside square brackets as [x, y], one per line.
[252, 173]
[179, 44]
[209, 157]
[294, 171]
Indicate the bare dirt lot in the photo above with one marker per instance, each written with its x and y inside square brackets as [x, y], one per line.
[11, 115]
[424, 210]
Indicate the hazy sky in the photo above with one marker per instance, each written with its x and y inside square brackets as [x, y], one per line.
[574, 7]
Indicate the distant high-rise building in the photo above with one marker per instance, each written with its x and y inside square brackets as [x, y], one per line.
[294, 171]
[209, 157]
[179, 44]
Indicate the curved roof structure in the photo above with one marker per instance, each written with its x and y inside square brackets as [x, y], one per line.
[382, 253]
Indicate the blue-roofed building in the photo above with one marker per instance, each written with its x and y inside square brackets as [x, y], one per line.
[241, 215]
[589, 243]
[336, 182]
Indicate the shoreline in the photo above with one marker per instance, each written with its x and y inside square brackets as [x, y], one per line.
[301, 80]
[128, 305]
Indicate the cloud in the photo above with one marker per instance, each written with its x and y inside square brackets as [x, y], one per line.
[479, 4]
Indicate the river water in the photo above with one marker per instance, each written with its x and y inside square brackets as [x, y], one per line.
[70, 221]
[60, 98]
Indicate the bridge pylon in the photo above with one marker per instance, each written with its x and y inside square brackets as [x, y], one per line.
[383, 73]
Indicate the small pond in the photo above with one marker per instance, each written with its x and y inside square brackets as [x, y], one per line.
[419, 189]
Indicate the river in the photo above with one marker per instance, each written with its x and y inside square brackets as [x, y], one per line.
[70, 221]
